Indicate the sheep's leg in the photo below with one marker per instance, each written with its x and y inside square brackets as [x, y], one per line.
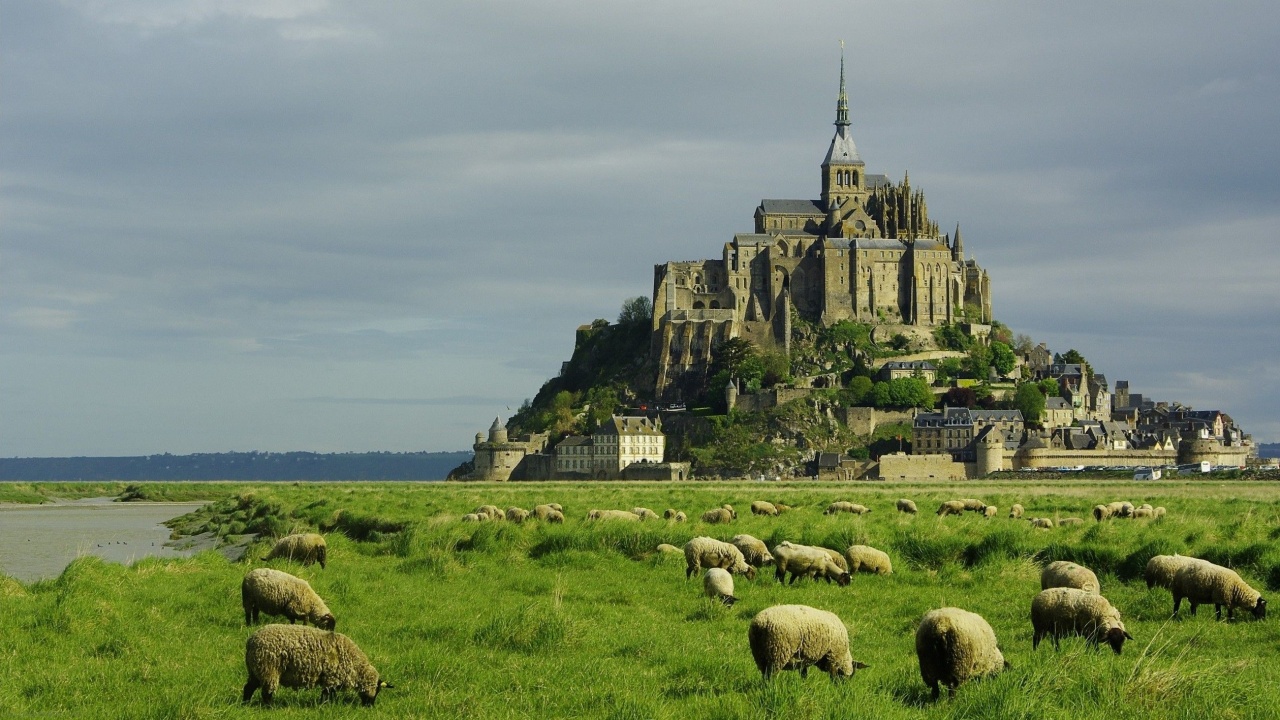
[1217, 612]
[804, 671]
[936, 692]
[1035, 639]
[1177, 602]
[688, 572]
[1193, 607]
[250, 688]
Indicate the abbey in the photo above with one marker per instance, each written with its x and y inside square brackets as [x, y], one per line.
[865, 251]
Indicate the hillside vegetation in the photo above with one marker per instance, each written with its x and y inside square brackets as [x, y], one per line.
[586, 620]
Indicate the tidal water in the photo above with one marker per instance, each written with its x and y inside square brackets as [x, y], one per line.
[38, 541]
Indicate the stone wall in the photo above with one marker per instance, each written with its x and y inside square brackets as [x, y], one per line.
[1027, 458]
[864, 420]
[675, 471]
[940, 468]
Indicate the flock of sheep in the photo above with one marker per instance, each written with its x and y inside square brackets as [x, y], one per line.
[952, 645]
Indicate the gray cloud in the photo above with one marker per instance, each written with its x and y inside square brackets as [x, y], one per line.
[214, 209]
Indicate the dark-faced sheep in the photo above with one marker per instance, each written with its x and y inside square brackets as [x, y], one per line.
[306, 548]
[295, 656]
[708, 552]
[278, 593]
[1063, 611]
[1203, 583]
[955, 646]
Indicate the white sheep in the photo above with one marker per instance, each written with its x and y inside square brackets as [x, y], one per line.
[517, 515]
[1069, 521]
[973, 505]
[753, 550]
[305, 548]
[668, 548]
[1158, 513]
[864, 558]
[717, 583]
[680, 517]
[907, 506]
[1015, 512]
[782, 507]
[732, 513]
[718, 516]
[1042, 523]
[763, 507]
[808, 561]
[613, 515]
[951, 507]
[543, 512]
[1144, 512]
[491, 510]
[990, 511]
[1063, 573]
[1101, 512]
[843, 506]
[278, 593]
[708, 552]
[296, 656]
[645, 513]
[1062, 611]
[556, 506]
[474, 517]
[954, 646]
[1203, 583]
[1161, 569]
[793, 637]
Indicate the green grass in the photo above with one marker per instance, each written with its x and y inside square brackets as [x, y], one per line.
[586, 620]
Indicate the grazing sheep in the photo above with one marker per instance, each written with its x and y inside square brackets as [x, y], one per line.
[680, 517]
[278, 593]
[556, 506]
[1203, 583]
[1120, 509]
[708, 552]
[719, 516]
[1062, 573]
[763, 507]
[474, 517]
[793, 637]
[907, 506]
[1158, 513]
[847, 507]
[782, 507]
[613, 515]
[990, 511]
[1161, 569]
[305, 548]
[754, 551]
[301, 657]
[491, 510]
[668, 548]
[1015, 512]
[543, 512]
[732, 513]
[645, 513]
[1064, 522]
[1101, 512]
[864, 558]
[1042, 523]
[1062, 611]
[517, 515]
[1143, 512]
[1146, 506]
[973, 505]
[718, 585]
[951, 507]
[955, 646]
[669, 514]
[555, 516]
[808, 561]
[837, 557]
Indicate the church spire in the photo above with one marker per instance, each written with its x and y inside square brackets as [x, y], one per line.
[957, 248]
[842, 102]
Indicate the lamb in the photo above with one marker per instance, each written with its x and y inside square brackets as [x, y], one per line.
[763, 507]
[1158, 513]
[1015, 512]
[1101, 512]
[1203, 583]
[645, 513]
[1064, 522]
[613, 515]
[1062, 611]
[844, 506]
[517, 515]
[951, 507]
[990, 511]
[1042, 523]
[296, 656]
[718, 585]
[807, 561]
[1062, 573]
[718, 516]
[305, 548]
[793, 637]
[864, 558]
[278, 593]
[907, 506]
[974, 505]
[1161, 569]
[753, 550]
[954, 646]
[709, 552]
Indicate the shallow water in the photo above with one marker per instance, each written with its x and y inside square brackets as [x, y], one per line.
[39, 541]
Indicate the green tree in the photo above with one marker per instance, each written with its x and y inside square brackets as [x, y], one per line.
[858, 391]
[1030, 401]
[731, 354]
[1050, 388]
[948, 368]
[978, 364]
[777, 369]
[636, 310]
[1002, 358]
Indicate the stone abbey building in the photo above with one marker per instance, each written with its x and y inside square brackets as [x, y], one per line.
[865, 250]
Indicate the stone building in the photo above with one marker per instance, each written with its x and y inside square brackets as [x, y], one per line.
[866, 250]
[614, 446]
[501, 458]
[957, 431]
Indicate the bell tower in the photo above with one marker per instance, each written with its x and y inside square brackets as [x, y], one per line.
[843, 172]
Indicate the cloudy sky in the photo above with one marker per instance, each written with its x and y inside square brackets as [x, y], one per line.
[346, 226]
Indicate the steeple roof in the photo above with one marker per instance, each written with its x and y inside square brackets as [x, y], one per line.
[842, 151]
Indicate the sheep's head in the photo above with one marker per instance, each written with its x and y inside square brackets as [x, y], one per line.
[1116, 637]
[369, 689]
[843, 578]
[1260, 609]
[844, 667]
[749, 572]
[326, 621]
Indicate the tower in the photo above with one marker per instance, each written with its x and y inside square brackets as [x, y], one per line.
[843, 172]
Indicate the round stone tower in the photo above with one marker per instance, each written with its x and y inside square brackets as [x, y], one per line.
[990, 453]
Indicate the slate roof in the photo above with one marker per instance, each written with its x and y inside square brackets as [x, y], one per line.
[793, 207]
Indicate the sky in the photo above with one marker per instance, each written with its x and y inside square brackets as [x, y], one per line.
[351, 226]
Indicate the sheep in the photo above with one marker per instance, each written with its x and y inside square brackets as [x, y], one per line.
[1101, 512]
[1064, 522]
[1143, 512]
[1120, 509]
[864, 558]
[807, 561]
[837, 557]
[753, 550]
[1161, 569]
[491, 510]
[668, 548]
[517, 515]
[278, 593]
[1015, 512]
[990, 511]
[718, 585]
[763, 507]
[645, 513]
[1042, 523]
[718, 516]
[680, 517]
[793, 637]
[1062, 573]
[1158, 513]
[296, 656]
[732, 513]
[555, 516]
[1061, 611]
[556, 506]
[543, 512]
[474, 517]
[613, 515]
[954, 646]
[709, 552]
[669, 514]
[1203, 583]
[305, 548]
[847, 507]
[951, 507]
[1144, 506]
[782, 507]
[907, 506]
[974, 505]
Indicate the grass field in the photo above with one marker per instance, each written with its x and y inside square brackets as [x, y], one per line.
[586, 620]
